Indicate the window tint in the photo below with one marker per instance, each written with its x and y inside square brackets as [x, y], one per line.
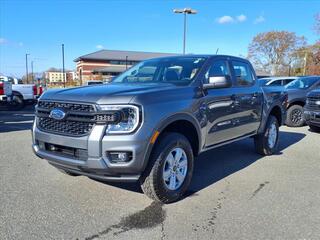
[286, 81]
[218, 68]
[276, 83]
[302, 83]
[243, 73]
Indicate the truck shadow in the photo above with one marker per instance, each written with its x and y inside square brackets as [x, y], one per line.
[12, 121]
[216, 164]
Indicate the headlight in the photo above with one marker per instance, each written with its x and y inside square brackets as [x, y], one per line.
[130, 118]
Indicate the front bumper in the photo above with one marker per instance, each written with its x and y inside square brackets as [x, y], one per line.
[96, 163]
[312, 117]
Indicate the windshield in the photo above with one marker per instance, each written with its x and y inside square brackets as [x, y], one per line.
[302, 83]
[176, 70]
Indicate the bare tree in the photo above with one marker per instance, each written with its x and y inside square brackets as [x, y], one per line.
[273, 51]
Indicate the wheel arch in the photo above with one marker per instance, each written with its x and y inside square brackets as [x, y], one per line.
[178, 123]
[277, 111]
[170, 124]
[17, 94]
[299, 102]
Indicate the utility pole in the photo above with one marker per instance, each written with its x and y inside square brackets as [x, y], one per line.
[32, 72]
[64, 76]
[27, 54]
[185, 11]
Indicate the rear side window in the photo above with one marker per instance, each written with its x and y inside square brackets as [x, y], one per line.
[276, 83]
[243, 73]
[217, 69]
[286, 81]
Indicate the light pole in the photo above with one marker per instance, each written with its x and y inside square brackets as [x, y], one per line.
[64, 76]
[27, 54]
[185, 11]
[32, 72]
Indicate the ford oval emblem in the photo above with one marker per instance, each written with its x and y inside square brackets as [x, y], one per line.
[318, 102]
[57, 114]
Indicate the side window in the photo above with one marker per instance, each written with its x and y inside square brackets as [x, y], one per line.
[218, 68]
[276, 83]
[243, 73]
[286, 81]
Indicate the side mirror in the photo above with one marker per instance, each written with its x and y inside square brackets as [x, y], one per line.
[218, 82]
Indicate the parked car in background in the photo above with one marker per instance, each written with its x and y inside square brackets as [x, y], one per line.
[297, 95]
[23, 93]
[276, 81]
[151, 122]
[312, 110]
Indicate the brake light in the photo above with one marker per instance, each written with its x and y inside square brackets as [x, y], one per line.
[35, 90]
[1, 89]
[40, 91]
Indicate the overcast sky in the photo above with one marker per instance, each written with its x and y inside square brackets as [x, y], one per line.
[84, 26]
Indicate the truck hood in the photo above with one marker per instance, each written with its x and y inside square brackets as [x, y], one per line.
[314, 93]
[104, 94]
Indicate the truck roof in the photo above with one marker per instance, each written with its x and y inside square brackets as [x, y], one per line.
[204, 56]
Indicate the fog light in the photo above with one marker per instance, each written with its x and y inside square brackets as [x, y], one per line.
[119, 156]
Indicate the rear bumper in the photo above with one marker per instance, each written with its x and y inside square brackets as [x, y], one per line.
[312, 117]
[96, 163]
[5, 98]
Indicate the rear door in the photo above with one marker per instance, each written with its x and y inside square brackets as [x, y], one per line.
[247, 97]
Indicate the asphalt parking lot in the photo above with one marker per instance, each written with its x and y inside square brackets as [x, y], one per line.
[235, 194]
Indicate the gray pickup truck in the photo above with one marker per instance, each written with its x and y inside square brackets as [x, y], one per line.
[152, 121]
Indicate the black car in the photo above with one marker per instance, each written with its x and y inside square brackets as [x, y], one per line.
[312, 110]
[297, 95]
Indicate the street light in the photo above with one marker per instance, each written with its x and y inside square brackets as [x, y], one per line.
[64, 77]
[32, 72]
[185, 11]
[27, 54]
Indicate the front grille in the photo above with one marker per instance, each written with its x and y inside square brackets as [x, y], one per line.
[311, 103]
[75, 107]
[79, 120]
[67, 127]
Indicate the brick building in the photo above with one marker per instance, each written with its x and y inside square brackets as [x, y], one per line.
[104, 64]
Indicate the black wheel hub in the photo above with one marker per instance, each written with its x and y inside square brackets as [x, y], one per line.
[296, 116]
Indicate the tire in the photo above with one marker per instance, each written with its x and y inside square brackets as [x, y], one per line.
[261, 141]
[17, 103]
[154, 183]
[295, 116]
[314, 128]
